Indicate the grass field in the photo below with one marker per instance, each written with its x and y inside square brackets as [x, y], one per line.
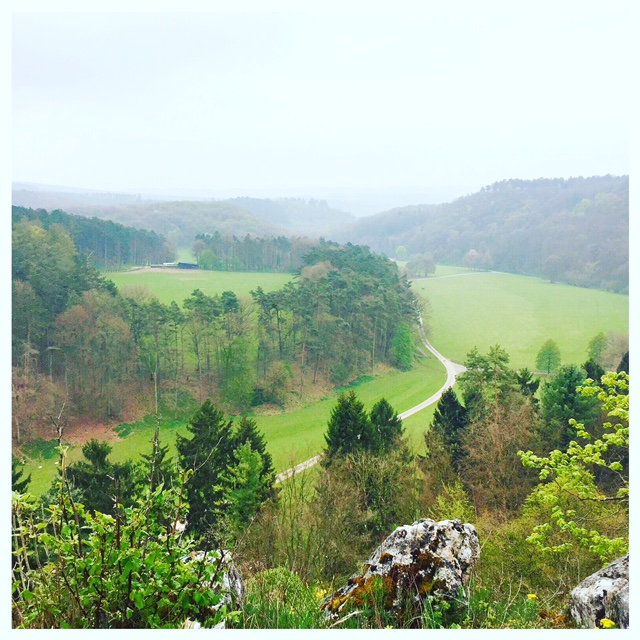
[296, 436]
[519, 313]
[178, 284]
[291, 437]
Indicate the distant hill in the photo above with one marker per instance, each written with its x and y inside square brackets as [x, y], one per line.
[179, 221]
[296, 215]
[574, 231]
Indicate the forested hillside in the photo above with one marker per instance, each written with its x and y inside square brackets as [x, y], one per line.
[574, 231]
[181, 221]
[106, 244]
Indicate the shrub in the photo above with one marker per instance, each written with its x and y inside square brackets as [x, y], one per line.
[125, 570]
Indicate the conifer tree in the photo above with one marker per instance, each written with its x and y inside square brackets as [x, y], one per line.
[387, 426]
[349, 427]
[18, 483]
[247, 431]
[450, 420]
[207, 453]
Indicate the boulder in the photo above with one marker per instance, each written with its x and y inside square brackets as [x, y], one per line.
[232, 583]
[604, 594]
[426, 558]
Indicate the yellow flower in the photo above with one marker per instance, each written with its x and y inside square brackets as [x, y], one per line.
[605, 623]
[532, 596]
[321, 593]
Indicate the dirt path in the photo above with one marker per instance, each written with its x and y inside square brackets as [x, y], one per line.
[453, 371]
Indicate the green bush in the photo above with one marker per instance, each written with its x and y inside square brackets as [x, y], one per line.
[75, 569]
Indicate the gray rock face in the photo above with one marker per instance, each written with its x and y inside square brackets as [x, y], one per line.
[605, 594]
[426, 558]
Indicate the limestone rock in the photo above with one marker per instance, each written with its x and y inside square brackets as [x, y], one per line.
[604, 594]
[415, 561]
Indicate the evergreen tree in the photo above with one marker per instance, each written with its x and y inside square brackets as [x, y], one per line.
[349, 427]
[528, 384]
[594, 370]
[387, 426]
[246, 488]
[247, 431]
[624, 364]
[208, 453]
[559, 402]
[450, 419]
[156, 467]
[101, 482]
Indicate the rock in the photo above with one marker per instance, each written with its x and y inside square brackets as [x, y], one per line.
[426, 558]
[232, 584]
[604, 594]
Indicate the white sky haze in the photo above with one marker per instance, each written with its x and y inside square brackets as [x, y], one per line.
[320, 99]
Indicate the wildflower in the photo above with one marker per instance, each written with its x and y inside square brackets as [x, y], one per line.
[532, 596]
[321, 593]
[605, 623]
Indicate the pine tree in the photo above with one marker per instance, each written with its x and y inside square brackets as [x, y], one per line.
[349, 428]
[387, 426]
[101, 482]
[246, 488]
[450, 420]
[18, 483]
[207, 453]
[156, 467]
[247, 431]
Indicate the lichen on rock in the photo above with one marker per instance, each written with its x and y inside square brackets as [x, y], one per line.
[424, 559]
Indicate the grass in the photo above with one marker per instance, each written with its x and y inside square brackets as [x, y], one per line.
[298, 435]
[517, 312]
[177, 285]
[291, 436]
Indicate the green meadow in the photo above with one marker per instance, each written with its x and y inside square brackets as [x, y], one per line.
[519, 313]
[178, 284]
[298, 435]
[291, 436]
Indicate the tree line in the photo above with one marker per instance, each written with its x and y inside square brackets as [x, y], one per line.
[252, 253]
[107, 245]
[77, 340]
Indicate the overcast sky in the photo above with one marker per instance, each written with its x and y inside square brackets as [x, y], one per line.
[294, 101]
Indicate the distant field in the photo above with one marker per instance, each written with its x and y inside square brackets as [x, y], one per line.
[178, 284]
[291, 437]
[517, 312]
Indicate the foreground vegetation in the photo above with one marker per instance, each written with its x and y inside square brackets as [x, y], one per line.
[546, 520]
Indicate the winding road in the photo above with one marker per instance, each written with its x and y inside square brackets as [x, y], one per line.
[453, 371]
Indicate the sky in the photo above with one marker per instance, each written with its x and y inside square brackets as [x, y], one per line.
[368, 97]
